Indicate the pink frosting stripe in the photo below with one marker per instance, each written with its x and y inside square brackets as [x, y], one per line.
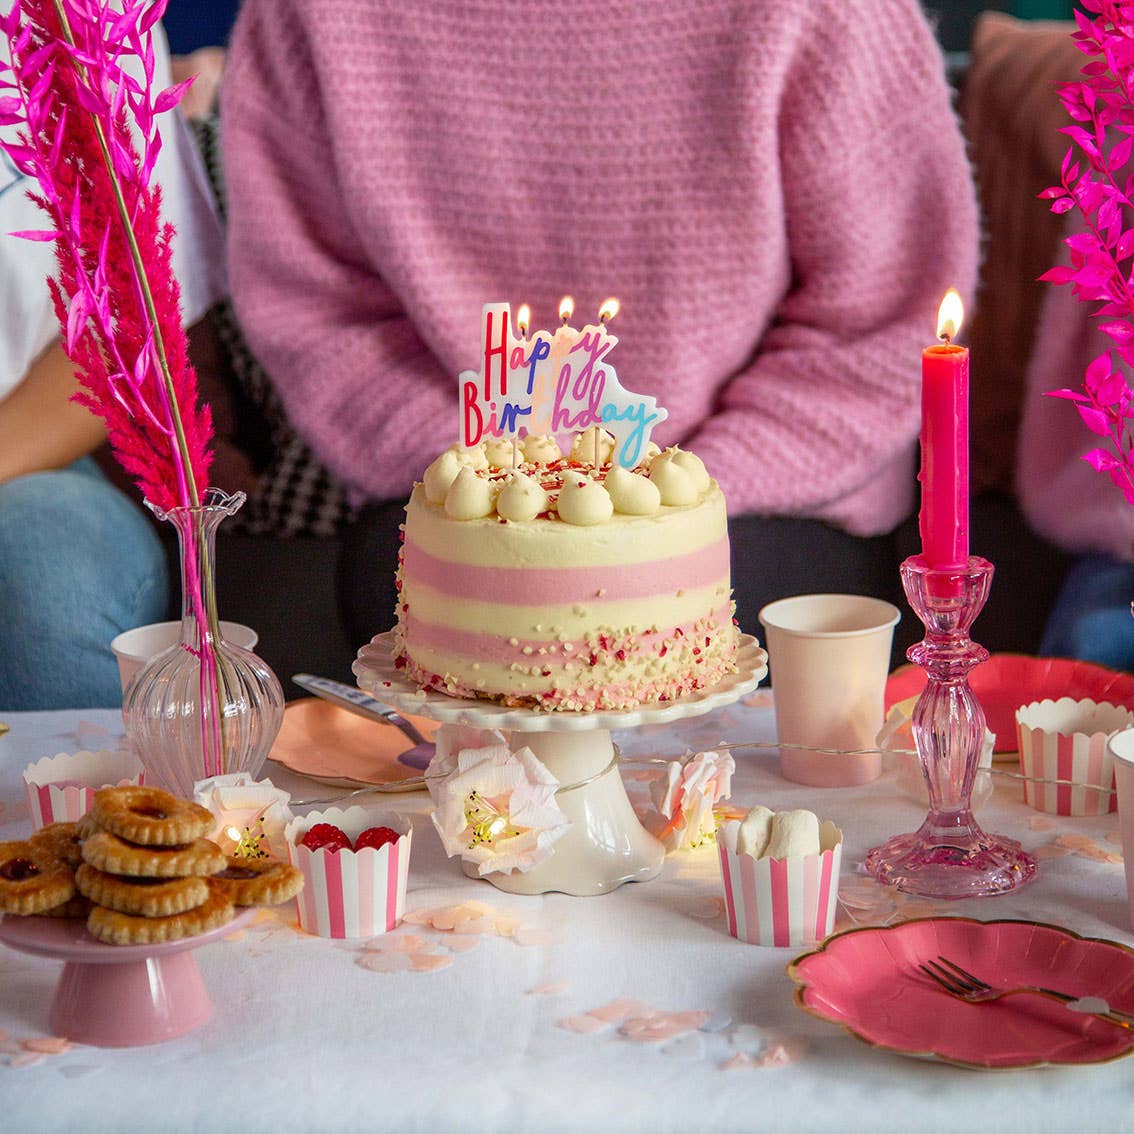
[499, 649]
[547, 586]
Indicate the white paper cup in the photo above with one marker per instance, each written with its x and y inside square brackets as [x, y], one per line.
[60, 789]
[829, 656]
[348, 893]
[780, 901]
[133, 648]
[1067, 740]
[1121, 747]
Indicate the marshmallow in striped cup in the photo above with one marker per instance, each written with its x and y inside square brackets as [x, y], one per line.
[774, 895]
[61, 788]
[1066, 740]
[350, 893]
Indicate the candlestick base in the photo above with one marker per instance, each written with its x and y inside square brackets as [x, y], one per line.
[951, 864]
[949, 856]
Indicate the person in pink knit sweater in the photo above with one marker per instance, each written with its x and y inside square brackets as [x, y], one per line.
[776, 191]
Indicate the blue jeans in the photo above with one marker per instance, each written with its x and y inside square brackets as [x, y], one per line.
[1091, 618]
[79, 563]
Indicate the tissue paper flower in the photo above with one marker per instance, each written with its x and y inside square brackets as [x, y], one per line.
[247, 810]
[692, 787]
[494, 807]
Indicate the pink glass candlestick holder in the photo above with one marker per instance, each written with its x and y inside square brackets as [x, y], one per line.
[949, 856]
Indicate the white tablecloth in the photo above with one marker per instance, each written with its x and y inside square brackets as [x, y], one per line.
[305, 1037]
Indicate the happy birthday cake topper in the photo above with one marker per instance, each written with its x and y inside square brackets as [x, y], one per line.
[553, 383]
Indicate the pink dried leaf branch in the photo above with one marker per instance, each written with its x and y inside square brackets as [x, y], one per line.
[117, 300]
[67, 91]
[1099, 185]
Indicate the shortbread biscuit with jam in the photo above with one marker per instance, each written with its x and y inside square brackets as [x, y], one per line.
[257, 881]
[32, 879]
[74, 909]
[128, 929]
[87, 827]
[113, 855]
[145, 897]
[150, 816]
[62, 840]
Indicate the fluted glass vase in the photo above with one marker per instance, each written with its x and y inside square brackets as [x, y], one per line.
[203, 707]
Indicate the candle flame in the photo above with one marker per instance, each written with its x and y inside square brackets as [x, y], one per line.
[608, 309]
[949, 316]
[566, 308]
[524, 318]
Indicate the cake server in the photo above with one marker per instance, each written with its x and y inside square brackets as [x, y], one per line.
[355, 701]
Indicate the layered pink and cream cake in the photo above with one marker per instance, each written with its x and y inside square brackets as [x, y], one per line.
[562, 583]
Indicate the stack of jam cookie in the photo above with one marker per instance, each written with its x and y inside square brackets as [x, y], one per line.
[140, 868]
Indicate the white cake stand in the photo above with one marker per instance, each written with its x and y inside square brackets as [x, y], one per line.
[606, 845]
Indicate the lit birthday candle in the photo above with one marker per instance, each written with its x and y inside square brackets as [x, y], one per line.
[944, 520]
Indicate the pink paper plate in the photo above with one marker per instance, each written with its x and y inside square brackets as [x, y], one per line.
[338, 747]
[867, 981]
[1007, 681]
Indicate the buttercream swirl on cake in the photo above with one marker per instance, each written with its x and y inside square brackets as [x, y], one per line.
[560, 585]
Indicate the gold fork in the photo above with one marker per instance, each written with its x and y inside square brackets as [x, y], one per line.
[962, 984]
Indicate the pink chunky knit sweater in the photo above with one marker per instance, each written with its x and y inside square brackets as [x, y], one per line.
[776, 190]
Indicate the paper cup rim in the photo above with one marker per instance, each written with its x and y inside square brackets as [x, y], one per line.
[726, 838]
[886, 615]
[1083, 707]
[1115, 745]
[119, 648]
[52, 769]
[346, 819]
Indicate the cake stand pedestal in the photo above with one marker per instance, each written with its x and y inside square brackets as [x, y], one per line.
[119, 995]
[606, 845]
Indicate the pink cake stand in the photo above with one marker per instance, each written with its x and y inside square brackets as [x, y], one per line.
[119, 995]
[606, 846]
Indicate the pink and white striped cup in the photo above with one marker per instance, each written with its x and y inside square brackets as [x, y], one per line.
[1066, 740]
[350, 893]
[60, 789]
[781, 901]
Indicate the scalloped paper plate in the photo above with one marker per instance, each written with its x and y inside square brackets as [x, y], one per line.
[342, 749]
[868, 982]
[1007, 681]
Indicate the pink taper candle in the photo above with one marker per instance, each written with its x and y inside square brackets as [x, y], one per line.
[944, 478]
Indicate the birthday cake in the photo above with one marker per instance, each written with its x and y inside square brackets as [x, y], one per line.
[593, 579]
[560, 585]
